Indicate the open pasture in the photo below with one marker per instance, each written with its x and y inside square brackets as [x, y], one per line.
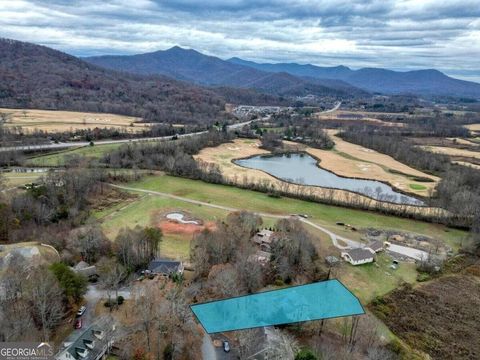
[58, 121]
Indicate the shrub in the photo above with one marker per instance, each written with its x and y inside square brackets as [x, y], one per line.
[421, 277]
[120, 300]
[305, 354]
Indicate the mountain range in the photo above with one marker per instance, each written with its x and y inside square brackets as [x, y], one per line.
[191, 66]
[288, 79]
[33, 76]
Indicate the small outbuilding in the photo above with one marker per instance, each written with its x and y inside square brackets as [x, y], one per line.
[358, 256]
[332, 260]
[376, 246]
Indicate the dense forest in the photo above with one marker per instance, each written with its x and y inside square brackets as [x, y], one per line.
[33, 76]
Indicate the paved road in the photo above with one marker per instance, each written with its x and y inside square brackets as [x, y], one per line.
[159, 138]
[105, 142]
[335, 108]
[334, 237]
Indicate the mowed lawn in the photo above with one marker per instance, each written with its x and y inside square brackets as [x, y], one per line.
[370, 280]
[325, 215]
[146, 211]
[61, 157]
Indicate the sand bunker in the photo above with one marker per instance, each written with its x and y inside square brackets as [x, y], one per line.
[179, 217]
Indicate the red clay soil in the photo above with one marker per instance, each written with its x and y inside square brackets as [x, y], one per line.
[173, 227]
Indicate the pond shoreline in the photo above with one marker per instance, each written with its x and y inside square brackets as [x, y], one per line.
[317, 163]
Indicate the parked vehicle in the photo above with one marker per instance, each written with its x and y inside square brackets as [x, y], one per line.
[78, 323]
[226, 346]
[81, 311]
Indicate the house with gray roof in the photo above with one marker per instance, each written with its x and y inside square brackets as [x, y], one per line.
[376, 246]
[358, 256]
[94, 343]
[165, 267]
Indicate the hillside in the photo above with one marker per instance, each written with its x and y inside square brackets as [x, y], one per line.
[33, 76]
[422, 82]
[192, 66]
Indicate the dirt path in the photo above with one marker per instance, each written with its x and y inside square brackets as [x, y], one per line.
[334, 237]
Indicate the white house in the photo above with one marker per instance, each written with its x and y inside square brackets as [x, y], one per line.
[358, 256]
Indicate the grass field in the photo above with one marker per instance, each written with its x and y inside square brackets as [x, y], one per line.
[144, 212]
[417, 187]
[13, 179]
[375, 279]
[61, 157]
[324, 215]
[58, 121]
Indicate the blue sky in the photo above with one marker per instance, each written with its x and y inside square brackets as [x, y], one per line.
[395, 34]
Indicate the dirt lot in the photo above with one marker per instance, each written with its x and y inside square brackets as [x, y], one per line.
[52, 121]
[440, 317]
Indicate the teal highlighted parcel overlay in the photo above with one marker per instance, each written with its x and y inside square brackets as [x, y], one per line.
[316, 301]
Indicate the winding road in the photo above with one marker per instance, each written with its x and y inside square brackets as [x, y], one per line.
[334, 237]
[53, 146]
[350, 244]
[66, 145]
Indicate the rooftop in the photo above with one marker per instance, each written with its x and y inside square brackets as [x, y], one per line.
[164, 266]
[359, 254]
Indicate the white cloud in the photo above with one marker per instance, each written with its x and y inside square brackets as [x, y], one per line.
[397, 34]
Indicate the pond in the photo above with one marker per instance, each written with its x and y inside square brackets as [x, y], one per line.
[302, 169]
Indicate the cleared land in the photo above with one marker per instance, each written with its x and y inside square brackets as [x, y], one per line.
[34, 252]
[473, 127]
[14, 179]
[352, 160]
[359, 116]
[58, 121]
[60, 158]
[452, 151]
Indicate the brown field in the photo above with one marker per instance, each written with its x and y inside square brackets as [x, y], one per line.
[13, 179]
[173, 227]
[57, 121]
[452, 151]
[343, 115]
[356, 161]
[473, 127]
[440, 317]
